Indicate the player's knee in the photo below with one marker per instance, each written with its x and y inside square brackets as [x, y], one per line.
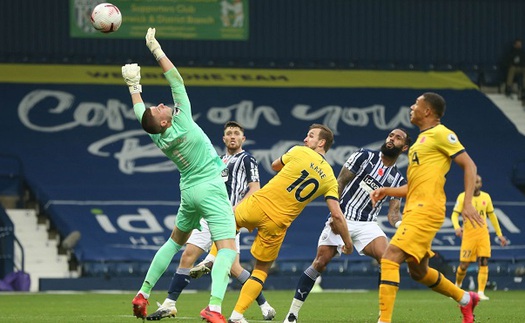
[483, 261]
[417, 275]
[320, 263]
[189, 256]
[259, 276]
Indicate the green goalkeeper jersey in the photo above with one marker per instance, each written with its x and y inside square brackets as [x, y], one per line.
[185, 143]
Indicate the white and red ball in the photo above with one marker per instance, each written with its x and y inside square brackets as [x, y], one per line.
[106, 18]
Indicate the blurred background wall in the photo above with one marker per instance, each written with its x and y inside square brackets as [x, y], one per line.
[410, 34]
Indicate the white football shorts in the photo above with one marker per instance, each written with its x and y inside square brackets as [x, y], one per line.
[202, 239]
[362, 233]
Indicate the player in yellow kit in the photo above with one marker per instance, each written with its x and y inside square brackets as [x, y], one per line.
[303, 175]
[475, 243]
[430, 158]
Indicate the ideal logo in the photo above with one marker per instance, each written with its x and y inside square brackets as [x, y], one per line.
[371, 183]
[144, 222]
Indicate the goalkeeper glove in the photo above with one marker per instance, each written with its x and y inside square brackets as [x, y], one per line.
[131, 74]
[153, 44]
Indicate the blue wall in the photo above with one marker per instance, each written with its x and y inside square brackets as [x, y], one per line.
[95, 170]
[366, 33]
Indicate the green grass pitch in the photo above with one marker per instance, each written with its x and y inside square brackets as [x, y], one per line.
[353, 306]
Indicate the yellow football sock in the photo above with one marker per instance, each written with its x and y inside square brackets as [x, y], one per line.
[250, 290]
[213, 250]
[483, 276]
[439, 283]
[388, 287]
[460, 275]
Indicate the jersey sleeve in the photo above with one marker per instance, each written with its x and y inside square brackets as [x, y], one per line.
[288, 155]
[455, 220]
[402, 181]
[139, 109]
[252, 169]
[355, 161]
[458, 207]
[492, 216]
[333, 189]
[490, 206]
[180, 96]
[495, 223]
[449, 143]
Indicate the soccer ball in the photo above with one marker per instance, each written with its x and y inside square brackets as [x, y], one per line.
[106, 18]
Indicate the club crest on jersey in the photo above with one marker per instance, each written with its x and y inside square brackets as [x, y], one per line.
[224, 174]
[452, 138]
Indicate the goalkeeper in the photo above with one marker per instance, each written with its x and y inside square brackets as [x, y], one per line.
[203, 193]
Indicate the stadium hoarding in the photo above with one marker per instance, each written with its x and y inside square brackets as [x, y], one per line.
[173, 19]
[94, 168]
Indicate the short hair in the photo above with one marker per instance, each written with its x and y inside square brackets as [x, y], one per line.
[325, 134]
[149, 124]
[408, 139]
[437, 103]
[233, 124]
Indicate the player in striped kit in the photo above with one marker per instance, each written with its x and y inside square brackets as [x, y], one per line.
[303, 174]
[363, 172]
[242, 181]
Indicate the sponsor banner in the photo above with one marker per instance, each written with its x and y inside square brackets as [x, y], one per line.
[85, 154]
[173, 19]
[134, 230]
[232, 77]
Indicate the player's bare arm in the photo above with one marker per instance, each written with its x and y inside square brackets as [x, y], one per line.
[470, 170]
[339, 225]
[277, 164]
[252, 188]
[380, 193]
[394, 216]
[345, 176]
[156, 50]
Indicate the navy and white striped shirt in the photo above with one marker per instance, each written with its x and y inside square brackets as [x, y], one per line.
[242, 170]
[370, 174]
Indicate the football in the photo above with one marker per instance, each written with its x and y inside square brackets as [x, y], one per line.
[106, 18]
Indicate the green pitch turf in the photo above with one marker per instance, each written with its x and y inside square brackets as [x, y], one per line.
[411, 306]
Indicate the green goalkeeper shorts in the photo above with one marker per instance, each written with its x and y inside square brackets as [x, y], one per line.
[208, 200]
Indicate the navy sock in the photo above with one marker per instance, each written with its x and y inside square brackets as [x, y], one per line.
[179, 281]
[306, 283]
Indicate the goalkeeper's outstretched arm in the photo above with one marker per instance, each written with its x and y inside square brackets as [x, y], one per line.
[157, 51]
[131, 75]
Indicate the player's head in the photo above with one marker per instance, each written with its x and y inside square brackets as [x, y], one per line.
[477, 185]
[517, 43]
[233, 137]
[396, 142]
[428, 106]
[319, 137]
[157, 118]
[436, 103]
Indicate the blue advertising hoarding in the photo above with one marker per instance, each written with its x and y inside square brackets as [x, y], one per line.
[96, 171]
